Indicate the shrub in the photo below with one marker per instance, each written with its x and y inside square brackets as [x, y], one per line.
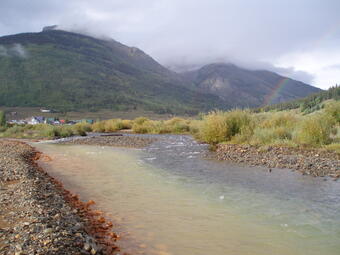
[141, 128]
[81, 129]
[140, 120]
[86, 127]
[332, 110]
[333, 147]
[66, 131]
[279, 119]
[177, 125]
[264, 136]
[149, 127]
[50, 131]
[98, 126]
[314, 130]
[220, 126]
[112, 125]
[15, 131]
[127, 124]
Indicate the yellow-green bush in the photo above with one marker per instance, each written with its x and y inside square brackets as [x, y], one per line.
[127, 124]
[221, 126]
[333, 147]
[15, 131]
[149, 127]
[140, 120]
[273, 128]
[270, 135]
[98, 126]
[332, 110]
[112, 125]
[279, 119]
[84, 126]
[314, 130]
[177, 125]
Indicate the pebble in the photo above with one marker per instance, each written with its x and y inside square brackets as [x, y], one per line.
[307, 161]
[38, 219]
[120, 141]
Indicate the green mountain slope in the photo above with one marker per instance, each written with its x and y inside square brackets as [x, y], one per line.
[69, 71]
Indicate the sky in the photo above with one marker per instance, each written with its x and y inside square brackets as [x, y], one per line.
[296, 38]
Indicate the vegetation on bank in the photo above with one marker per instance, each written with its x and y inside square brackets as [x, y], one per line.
[43, 131]
[306, 105]
[282, 128]
[287, 128]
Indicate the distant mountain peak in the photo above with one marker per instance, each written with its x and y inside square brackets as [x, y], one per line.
[246, 87]
[49, 28]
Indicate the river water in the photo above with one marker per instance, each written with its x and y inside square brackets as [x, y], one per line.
[169, 199]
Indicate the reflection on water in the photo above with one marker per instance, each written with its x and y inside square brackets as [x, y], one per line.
[167, 199]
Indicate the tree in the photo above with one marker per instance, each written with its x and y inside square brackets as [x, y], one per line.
[2, 119]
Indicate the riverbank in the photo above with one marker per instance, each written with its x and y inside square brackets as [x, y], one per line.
[114, 140]
[313, 162]
[38, 216]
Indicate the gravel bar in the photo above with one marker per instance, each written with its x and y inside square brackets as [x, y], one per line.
[307, 161]
[38, 216]
[120, 141]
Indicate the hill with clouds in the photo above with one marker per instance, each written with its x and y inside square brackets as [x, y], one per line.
[71, 71]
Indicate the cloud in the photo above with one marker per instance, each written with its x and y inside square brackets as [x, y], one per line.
[15, 50]
[335, 66]
[3, 51]
[192, 33]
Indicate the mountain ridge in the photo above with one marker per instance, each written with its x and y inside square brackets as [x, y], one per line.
[83, 66]
[227, 81]
[72, 71]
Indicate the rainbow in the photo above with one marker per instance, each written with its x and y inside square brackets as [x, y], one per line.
[278, 87]
[275, 91]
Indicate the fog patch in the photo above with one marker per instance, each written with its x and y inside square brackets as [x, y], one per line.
[15, 50]
[3, 51]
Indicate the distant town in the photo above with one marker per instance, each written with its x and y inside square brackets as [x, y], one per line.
[34, 120]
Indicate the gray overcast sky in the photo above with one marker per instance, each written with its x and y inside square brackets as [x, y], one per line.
[297, 38]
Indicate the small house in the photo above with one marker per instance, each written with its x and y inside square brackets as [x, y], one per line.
[45, 110]
[36, 120]
[50, 120]
[89, 121]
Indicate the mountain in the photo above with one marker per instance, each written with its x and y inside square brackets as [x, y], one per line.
[244, 87]
[70, 71]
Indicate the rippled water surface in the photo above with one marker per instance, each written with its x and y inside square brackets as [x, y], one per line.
[168, 199]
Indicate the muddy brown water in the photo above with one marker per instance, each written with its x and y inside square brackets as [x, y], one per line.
[168, 199]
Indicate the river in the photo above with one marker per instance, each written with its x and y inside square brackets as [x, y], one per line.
[169, 199]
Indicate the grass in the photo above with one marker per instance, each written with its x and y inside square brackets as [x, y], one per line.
[320, 129]
[43, 131]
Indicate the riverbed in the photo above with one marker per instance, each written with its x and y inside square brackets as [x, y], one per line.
[168, 198]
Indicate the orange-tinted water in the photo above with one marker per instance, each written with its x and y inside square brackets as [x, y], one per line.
[158, 212]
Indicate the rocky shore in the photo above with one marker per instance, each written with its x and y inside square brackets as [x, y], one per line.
[117, 140]
[38, 216]
[307, 161]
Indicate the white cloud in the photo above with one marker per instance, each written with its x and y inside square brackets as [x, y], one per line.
[324, 64]
[15, 50]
